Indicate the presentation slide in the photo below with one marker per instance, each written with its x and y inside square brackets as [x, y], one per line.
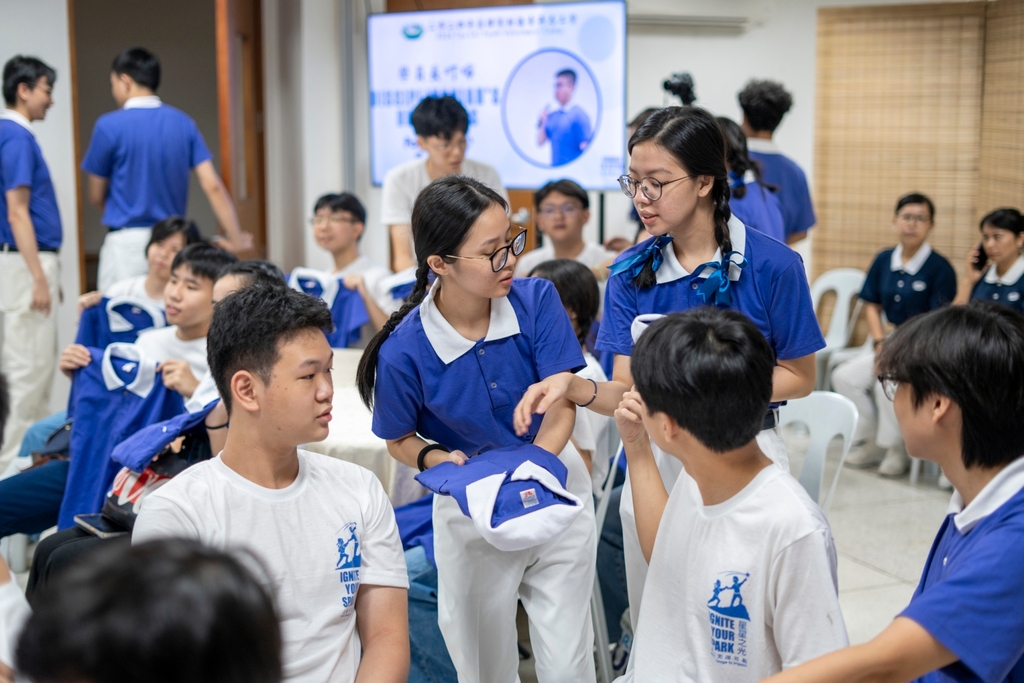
[544, 86]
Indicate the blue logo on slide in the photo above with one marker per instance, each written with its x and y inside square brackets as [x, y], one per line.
[412, 31]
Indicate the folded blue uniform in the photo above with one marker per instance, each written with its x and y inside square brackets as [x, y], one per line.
[516, 496]
[118, 319]
[348, 312]
[139, 449]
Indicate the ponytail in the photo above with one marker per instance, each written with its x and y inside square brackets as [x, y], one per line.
[720, 198]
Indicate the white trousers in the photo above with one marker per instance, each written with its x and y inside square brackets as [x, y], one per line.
[28, 345]
[123, 255]
[770, 441]
[478, 587]
[855, 379]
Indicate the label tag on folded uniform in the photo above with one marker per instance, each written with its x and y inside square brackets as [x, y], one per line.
[529, 497]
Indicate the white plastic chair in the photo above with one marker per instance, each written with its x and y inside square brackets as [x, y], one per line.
[826, 415]
[846, 283]
[601, 640]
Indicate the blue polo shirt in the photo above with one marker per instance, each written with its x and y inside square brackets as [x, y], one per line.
[348, 312]
[772, 290]
[22, 165]
[794, 194]
[759, 209]
[146, 152]
[903, 290]
[970, 597]
[567, 129]
[1007, 290]
[119, 319]
[461, 393]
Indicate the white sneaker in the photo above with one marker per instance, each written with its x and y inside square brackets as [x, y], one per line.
[896, 462]
[864, 455]
[944, 483]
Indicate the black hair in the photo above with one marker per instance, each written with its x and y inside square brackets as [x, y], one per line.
[171, 226]
[5, 406]
[708, 369]
[167, 611]
[249, 325]
[205, 260]
[736, 157]
[1006, 219]
[140, 65]
[577, 288]
[973, 355]
[916, 198]
[764, 103]
[639, 119]
[440, 116]
[28, 70]
[564, 186]
[567, 72]
[692, 136]
[255, 270]
[346, 201]
[442, 216]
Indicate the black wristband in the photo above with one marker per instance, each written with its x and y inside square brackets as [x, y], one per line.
[423, 454]
[218, 426]
[592, 398]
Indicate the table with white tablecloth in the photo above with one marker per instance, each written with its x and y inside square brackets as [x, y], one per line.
[351, 438]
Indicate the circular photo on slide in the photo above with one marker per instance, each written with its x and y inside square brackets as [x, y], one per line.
[551, 108]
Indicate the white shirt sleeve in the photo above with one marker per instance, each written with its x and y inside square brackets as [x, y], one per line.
[804, 612]
[159, 518]
[383, 561]
[396, 200]
[14, 612]
[583, 432]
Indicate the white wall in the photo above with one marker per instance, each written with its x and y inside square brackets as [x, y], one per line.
[40, 29]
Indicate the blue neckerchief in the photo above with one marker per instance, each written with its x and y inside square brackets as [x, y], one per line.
[735, 180]
[635, 263]
[715, 289]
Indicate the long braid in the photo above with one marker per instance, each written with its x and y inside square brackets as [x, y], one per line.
[720, 192]
[366, 374]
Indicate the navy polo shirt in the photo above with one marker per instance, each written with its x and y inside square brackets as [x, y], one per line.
[567, 130]
[22, 165]
[460, 393]
[970, 597]
[772, 291]
[146, 152]
[903, 294]
[1007, 290]
[794, 194]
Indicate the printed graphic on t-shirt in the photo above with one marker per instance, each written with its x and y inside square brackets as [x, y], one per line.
[729, 619]
[349, 561]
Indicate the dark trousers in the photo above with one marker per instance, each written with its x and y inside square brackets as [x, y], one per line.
[30, 501]
[58, 552]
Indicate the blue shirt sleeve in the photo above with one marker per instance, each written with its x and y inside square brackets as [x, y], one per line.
[795, 329]
[556, 348]
[620, 310]
[804, 214]
[397, 399]
[944, 287]
[18, 163]
[99, 158]
[199, 152]
[584, 122]
[872, 289]
[977, 610]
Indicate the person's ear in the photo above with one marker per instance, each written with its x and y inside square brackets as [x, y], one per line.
[940, 407]
[421, 142]
[358, 228]
[246, 389]
[23, 92]
[438, 265]
[586, 216]
[705, 183]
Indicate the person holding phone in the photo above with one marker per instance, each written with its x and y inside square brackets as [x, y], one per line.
[904, 281]
[995, 266]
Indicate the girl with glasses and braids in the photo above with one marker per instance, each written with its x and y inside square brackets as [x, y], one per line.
[449, 367]
[700, 255]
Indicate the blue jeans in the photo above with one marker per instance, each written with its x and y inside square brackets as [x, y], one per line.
[611, 564]
[30, 501]
[429, 661]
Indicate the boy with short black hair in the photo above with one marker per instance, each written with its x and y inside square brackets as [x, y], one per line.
[323, 527]
[563, 208]
[955, 377]
[742, 577]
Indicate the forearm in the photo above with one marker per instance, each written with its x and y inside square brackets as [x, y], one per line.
[224, 210]
[609, 394]
[385, 659]
[556, 427]
[406, 449]
[874, 316]
[649, 493]
[963, 292]
[795, 237]
[793, 378]
[401, 252]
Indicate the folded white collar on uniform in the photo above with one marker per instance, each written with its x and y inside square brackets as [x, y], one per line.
[762, 146]
[145, 374]
[448, 344]
[671, 270]
[15, 116]
[142, 102]
[994, 495]
[914, 264]
[118, 323]
[329, 284]
[1010, 277]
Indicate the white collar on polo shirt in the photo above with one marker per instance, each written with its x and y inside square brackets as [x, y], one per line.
[142, 102]
[15, 116]
[329, 285]
[118, 323]
[145, 375]
[762, 145]
[1010, 277]
[448, 344]
[671, 270]
[914, 264]
[1002, 488]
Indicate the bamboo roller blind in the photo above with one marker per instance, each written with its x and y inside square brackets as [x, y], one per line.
[899, 102]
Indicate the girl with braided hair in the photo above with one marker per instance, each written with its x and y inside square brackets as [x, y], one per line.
[699, 255]
[448, 368]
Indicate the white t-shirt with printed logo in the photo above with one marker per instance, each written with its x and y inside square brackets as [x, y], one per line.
[330, 531]
[738, 591]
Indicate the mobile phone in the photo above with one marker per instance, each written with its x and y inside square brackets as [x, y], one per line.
[100, 526]
[979, 261]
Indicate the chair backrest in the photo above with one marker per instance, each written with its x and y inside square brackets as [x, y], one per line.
[826, 415]
[846, 283]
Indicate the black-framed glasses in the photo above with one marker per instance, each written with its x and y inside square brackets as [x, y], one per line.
[889, 385]
[499, 258]
[335, 220]
[651, 187]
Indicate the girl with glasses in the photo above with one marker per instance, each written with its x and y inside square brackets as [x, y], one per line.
[700, 255]
[449, 367]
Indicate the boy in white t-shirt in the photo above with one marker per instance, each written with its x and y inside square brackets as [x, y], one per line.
[323, 528]
[742, 567]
